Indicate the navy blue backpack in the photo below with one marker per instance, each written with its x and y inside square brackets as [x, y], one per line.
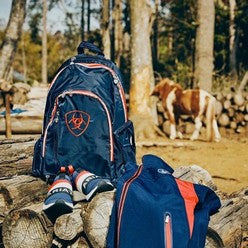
[85, 121]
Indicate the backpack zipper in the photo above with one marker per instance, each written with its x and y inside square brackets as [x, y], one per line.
[86, 93]
[114, 75]
[167, 231]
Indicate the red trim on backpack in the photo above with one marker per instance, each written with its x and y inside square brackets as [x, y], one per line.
[190, 199]
[119, 85]
[123, 198]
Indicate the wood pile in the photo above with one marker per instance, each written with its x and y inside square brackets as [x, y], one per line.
[24, 224]
[231, 113]
[30, 120]
[18, 92]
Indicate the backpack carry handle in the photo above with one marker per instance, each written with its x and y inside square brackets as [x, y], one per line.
[87, 45]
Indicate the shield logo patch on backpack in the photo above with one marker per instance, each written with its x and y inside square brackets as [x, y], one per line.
[77, 122]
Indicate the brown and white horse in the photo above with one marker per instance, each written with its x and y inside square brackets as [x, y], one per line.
[195, 102]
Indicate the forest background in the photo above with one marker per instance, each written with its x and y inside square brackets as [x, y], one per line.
[172, 35]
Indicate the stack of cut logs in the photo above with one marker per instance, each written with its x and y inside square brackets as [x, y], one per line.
[231, 113]
[24, 225]
[17, 91]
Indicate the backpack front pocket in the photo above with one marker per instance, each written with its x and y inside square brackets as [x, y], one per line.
[83, 134]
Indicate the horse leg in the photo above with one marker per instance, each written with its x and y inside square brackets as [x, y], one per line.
[198, 125]
[179, 134]
[171, 115]
[216, 131]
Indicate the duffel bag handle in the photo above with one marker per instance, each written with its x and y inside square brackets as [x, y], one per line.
[87, 45]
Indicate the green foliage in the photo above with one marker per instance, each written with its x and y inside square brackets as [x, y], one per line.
[176, 39]
[221, 40]
[242, 29]
[179, 27]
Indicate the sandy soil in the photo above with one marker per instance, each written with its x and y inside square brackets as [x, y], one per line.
[226, 161]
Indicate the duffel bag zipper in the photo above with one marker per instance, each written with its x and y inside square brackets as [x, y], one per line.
[167, 231]
[54, 117]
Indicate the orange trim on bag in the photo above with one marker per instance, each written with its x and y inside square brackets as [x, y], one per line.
[123, 198]
[168, 232]
[190, 199]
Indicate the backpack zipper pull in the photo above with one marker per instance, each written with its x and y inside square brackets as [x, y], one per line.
[167, 219]
[72, 60]
[57, 117]
[116, 80]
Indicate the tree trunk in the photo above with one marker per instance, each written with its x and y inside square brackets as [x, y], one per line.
[118, 32]
[44, 43]
[142, 108]
[82, 19]
[232, 43]
[155, 34]
[105, 29]
[12, 36]
[24, 62]
[88, 19]
[204, 44]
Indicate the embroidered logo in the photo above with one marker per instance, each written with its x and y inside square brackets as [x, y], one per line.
[77, 122]
[163, 171]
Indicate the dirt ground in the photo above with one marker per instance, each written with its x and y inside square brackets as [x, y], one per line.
[226, 161]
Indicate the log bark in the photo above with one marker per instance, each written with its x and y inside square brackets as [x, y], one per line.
[16, 157]
[21, 124]
[231, 222]
[20, 191]
[195, 174]
[90, 229]
[26, 228]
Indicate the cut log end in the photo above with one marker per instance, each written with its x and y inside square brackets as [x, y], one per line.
[97, 217]
[25, 228]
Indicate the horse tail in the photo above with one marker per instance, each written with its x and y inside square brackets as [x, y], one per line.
[210, 115]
